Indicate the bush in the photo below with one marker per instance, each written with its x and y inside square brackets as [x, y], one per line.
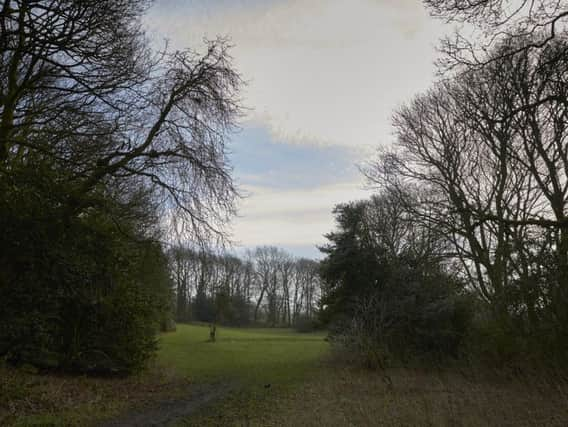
[77, 293]
[507, 345]
[406, 319]
[305, 325]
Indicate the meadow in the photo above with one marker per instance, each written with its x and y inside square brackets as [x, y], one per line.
[247, 355]
[250, 363]
[277, 377]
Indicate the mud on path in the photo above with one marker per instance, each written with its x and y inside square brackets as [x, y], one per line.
[165, 412]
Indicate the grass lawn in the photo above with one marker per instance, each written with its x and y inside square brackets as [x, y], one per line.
[304, 392]
[245, 359]
[263, 365]
[282, 378]
[247, 356]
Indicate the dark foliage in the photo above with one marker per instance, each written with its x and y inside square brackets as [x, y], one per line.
[76, 294]
[353, 264]
[306, 325]
[103, 143]
[269, 287]
[386, 304]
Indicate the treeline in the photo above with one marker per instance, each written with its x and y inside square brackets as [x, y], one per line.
[267, 286]
[464, 251]
[106, 147]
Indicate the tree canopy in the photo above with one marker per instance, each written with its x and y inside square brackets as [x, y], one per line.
[107, 149]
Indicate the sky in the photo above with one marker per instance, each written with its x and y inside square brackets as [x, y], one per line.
[323, 79]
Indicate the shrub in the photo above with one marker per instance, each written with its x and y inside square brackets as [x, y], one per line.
[404, 320]
[305, 324]
[77, 293]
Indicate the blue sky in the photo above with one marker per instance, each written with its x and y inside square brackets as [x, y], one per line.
[323, 79]
[262, 159]
[275, 176]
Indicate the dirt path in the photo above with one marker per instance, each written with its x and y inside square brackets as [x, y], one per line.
[166, 411]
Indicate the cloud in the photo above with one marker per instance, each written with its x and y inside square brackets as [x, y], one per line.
[324, 77]
[261, 160]
[297, 217]
[325, 72]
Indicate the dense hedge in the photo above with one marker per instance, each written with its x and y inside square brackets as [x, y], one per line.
[80, 293]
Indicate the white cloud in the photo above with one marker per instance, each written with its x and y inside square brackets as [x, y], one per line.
[320, 71]
[327, 72]
[291, 217]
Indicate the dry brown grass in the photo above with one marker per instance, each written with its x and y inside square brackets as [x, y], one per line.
[416, 397]
[31, 399]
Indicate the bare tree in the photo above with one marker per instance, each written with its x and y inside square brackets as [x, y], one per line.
[82, 90]
[307, 289]
[181, 263]
[282, 289]
[444, 156]
[285, 267]
[487, 153]
[533, 23]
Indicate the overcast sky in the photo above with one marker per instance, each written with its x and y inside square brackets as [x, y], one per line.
[323, 79]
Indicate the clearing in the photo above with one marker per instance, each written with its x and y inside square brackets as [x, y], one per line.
[274, 377]
[189, 373]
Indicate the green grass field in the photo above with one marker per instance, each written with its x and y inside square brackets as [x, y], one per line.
[260, 364]
[243, 355]
[240, 365]
[308, 393]
[245, 359]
